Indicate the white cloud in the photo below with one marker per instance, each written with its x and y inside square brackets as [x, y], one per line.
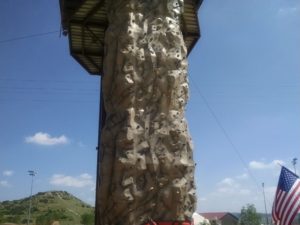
[242, 176]
[227, 182]
[256, 165]
[41, 138]
[83, 180]
[4, 183]
[287, 11]
[230, 186]
[244, 191]
[8, 173]
[86, 176]
[230, 194]
[203, 199]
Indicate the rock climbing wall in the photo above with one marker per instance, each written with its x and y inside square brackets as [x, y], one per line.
[147, 168]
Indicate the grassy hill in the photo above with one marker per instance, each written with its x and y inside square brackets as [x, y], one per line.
[46, 208]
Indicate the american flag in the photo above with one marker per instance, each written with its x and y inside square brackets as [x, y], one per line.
[287, 199]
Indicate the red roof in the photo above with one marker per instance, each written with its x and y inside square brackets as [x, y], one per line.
[214, 215]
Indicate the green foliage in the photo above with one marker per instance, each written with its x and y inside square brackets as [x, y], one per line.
[213, 222]
[13, 219]
[1, 219]
[50, 216]
[87, 219]
[34, 209]
[46, 208]
[24, 221]
[18, 209]
[249, 216]
[44, 200]
[204, 223]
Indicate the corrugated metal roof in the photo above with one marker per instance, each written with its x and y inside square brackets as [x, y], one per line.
[85, 22]
[198, 3]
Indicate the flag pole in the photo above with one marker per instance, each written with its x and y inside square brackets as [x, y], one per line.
[266, 212]
[294, 162]
[279, 164]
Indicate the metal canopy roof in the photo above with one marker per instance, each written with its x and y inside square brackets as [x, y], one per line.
[85, 22]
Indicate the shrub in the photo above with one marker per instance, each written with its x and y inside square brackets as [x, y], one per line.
[87, 219]
[50, 216]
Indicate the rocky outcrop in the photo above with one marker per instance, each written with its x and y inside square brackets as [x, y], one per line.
[147, 168]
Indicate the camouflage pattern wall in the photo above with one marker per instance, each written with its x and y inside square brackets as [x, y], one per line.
[147, 167]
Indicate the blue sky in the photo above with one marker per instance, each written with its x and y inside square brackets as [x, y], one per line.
[243, 112]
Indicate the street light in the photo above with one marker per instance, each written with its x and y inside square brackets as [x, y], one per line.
[294, 162]
[31, 173]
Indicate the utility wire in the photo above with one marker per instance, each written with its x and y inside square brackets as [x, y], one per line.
[56, 101]
[28, 36]
[48, 81]
[227, 136]
[92, 90]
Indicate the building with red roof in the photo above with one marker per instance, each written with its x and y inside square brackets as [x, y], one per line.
[220, 218]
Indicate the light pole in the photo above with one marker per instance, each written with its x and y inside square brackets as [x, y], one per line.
[32, 174]
[267, 220]
[294, 162]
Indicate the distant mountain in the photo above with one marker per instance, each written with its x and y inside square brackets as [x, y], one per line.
[46, 208]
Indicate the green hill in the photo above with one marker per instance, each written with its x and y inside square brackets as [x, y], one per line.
[46, 208]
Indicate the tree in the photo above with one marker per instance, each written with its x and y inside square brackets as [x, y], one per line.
[87, 219]
[13, 219]
[51, 215]
[249, 216]
[1, 218]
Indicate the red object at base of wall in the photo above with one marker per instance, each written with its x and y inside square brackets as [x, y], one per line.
[169, 223]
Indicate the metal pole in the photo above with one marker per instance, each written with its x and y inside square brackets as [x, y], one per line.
[294, 162]
[266, 212]
[32, 174]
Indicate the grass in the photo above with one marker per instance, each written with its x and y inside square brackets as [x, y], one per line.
[46, 207]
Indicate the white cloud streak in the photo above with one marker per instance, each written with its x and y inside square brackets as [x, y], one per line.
[41, 138]
[287, 11]
[243, 176]
[230, 186]
[4, 183]
[227, 182]
[256, 165]
[203, 199]
[232, 193]
[81, 181]
[7, 173]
